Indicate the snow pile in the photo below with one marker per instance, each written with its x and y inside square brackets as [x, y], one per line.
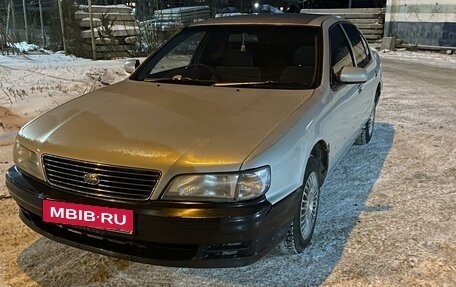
[49, 59]
[33, 84]
[25, 47]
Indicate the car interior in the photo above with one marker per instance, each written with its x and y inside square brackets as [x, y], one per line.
[253, 54]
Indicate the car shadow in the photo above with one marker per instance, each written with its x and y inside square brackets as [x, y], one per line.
[344, 197]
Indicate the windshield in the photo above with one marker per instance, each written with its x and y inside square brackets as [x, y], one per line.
[236, 55]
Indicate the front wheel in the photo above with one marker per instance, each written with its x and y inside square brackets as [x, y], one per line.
[301, 230]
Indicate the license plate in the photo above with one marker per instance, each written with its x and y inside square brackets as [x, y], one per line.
[98, 217]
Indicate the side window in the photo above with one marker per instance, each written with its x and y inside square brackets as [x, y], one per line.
[340, 53]
[361, 52]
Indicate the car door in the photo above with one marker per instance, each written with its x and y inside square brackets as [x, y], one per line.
[363, 58]
[340, 120]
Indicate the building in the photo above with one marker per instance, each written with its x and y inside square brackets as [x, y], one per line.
[422, 22]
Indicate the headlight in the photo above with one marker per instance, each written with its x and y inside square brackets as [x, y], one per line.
[220, 186]
[27, 160]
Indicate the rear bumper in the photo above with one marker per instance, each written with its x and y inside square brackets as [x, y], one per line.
[166, 233]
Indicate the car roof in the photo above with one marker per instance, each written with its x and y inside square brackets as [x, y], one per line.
[298, 19]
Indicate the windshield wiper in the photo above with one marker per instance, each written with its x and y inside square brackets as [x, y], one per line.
[236, 84]
[261, 83]
[158, 80]
[179, 80]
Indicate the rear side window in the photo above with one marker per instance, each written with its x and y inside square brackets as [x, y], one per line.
[340, 52]
[361, 52]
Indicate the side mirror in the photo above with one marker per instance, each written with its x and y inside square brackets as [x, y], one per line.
[353, 75]
[130, 65]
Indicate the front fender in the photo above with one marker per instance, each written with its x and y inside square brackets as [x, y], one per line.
[287, 149]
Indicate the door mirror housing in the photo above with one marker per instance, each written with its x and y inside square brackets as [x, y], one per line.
[131, 65]
[353, 75]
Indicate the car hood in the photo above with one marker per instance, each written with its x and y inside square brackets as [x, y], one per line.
[163, 126]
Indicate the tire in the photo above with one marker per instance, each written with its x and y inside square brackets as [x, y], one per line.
[368, 129]
[302, 227]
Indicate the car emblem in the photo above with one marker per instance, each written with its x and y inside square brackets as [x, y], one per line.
[91, 178]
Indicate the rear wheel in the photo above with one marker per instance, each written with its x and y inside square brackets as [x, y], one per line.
[301, 230]
[368, 129]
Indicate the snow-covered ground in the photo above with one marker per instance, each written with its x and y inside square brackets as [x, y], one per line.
[33, 84]
[424, 57]
[387, 211]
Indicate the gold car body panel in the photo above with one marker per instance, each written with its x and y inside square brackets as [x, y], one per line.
[176, 129]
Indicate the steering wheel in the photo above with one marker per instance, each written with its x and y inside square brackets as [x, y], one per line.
[208, 68]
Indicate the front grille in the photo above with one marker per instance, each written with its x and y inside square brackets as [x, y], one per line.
[107, 181]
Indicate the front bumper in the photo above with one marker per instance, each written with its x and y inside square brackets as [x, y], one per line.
[166, 233]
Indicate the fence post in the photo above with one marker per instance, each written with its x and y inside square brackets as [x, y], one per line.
[41, 22]
[25, 21]
[62, 26]
[92, 32]
[13, 16]
[8, 11]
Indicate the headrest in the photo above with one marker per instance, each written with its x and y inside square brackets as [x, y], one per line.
[304, 56]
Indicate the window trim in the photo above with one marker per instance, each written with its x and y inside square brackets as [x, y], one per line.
[366, 46]
[368, 58]
[333, 82]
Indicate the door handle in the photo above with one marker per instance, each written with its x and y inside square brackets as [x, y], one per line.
[360, 88]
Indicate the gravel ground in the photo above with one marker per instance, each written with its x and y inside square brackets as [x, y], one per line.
[386, 217]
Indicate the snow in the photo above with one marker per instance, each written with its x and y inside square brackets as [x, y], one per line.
[33, 84]
[25, 47]
[30, 60]
[425, 57]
